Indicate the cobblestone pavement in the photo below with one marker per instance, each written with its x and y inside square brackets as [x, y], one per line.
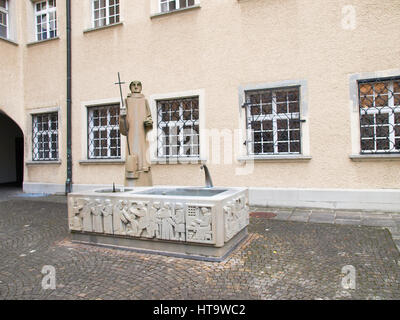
[8, 191]
[279, 260]
[387, 220]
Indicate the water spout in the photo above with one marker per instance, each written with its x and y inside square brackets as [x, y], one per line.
[209, 183]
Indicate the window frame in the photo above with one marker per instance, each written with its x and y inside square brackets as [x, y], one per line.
[177, 5]
[107, 17]
[274, 117]
[242, 154]
[49, 132]
[6, 12]
[152, 134]
[108, 127]
[178, 124]
[391, 110]
[46, 12]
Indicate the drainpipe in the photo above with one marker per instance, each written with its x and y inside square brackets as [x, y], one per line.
[68, 183]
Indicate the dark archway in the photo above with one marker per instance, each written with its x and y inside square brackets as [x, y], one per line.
[11, 152]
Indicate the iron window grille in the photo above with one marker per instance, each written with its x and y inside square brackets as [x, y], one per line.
[380, 116]
[45, 137]
[171, 5]
[104, 139]
[178, 128]
[4, 18]
[273, 121]
[105, 12]
[46, 19]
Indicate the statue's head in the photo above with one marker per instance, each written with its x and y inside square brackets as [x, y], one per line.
[135, 87]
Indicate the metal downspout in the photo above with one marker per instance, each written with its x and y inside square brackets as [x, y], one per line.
[68, 183]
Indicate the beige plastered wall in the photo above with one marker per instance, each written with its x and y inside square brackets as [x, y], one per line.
[11, 70]
[216, 48]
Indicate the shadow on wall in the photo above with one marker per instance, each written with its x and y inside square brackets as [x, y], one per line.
[11, 152]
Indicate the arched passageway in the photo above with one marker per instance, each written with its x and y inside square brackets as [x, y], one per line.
[11, 153]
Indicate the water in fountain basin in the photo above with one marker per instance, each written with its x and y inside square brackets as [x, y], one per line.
[186, 192]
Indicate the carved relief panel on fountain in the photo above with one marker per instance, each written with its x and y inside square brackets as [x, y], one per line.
[161, 219]
[200, 224]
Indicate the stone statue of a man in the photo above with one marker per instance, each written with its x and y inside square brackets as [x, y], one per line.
[134, 122]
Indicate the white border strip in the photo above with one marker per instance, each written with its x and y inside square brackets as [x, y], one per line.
[352, 199]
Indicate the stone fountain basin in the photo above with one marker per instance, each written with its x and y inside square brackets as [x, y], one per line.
[188, 221]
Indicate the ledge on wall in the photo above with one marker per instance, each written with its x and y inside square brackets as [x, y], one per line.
[104, 27]
[102, 161]
[374, 157]
[9, 41]
[155, 15]
[39, 163]
[178, 161]
[41, 41]
[274, 158]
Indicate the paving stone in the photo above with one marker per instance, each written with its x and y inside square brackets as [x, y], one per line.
[291, 209]
[396, 216]
[283, 215]
[383, 216]
[396, 236]
[322, 211]
[378, 222]
[299, 217]
[348, 215]
[322, 217]
[348, 221]
[279, 260]
[302, 211]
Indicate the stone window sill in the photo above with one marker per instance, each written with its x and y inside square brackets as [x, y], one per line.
[41, 41]
[9, 41]
[101, 161]
[178, 161]
[104, 27]
[374, 157]
[156, 15]
[272, 158]
[39, 163]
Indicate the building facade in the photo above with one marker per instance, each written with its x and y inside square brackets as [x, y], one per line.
[298, 100]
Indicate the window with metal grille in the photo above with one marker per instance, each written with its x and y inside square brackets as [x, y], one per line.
[380, 116]
[45, 137]
[178, 127]
[4, 18]
[46, 20]
[273, 121]
[171, 5]
[105, 12]
[104, 140]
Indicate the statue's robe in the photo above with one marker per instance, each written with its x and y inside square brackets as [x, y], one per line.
[133, 126]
